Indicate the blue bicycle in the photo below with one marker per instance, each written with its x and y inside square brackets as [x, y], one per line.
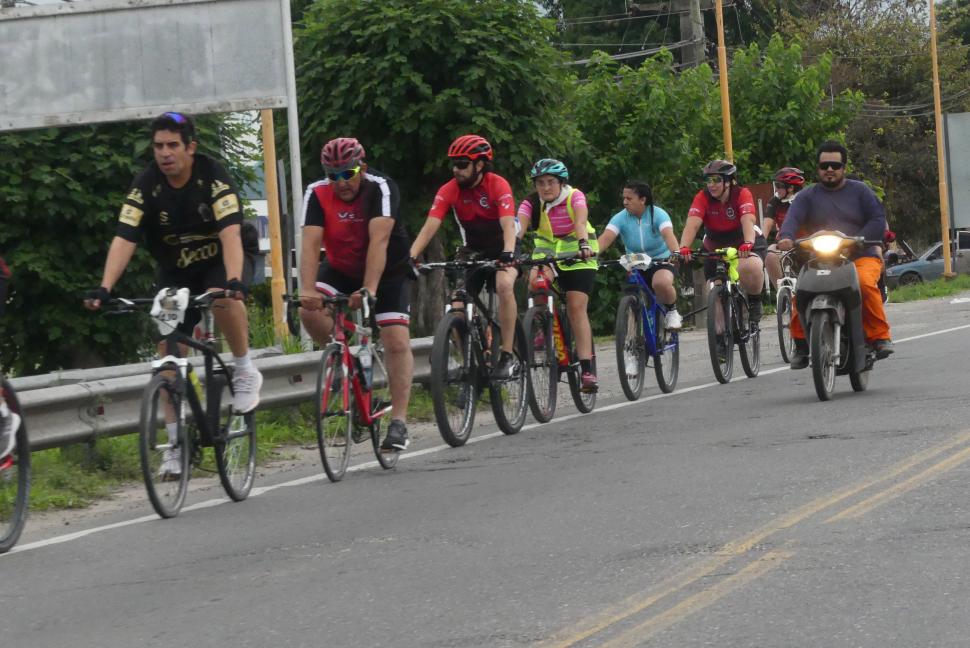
[641, 333]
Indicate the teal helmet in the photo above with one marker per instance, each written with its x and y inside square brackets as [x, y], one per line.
[549, 166]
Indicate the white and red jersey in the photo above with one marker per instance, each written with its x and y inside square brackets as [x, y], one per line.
[477, 210]
[722, 221]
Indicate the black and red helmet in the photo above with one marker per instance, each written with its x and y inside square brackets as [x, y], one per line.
[342, 153]
[473, 147]
[790, 176]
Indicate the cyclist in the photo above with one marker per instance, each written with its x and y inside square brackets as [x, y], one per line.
[186, 209]
[354, 212]
[646, 228]
[560, 217]
[483, 205]
[851, 207]
[9, 421]
[788, 181]
[726, 210]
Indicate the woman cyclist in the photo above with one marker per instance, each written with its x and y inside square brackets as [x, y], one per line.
[559, 215]
[787, 182]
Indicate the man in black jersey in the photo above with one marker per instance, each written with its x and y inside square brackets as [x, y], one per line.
[186, 209]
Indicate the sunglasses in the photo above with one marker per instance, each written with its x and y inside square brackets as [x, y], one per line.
[825, 166]
[178, 118]
[346, 174]
[781, 185]
[461, 164]
[713, 180]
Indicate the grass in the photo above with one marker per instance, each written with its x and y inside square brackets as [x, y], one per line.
[930, 289]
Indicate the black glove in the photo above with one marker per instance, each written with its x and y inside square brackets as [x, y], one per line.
[238, 287]
[100, 294]
[415, 268]
[506, 258]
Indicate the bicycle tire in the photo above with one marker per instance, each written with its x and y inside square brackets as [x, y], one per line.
[334, 418]
[454, 383]
[822, 346]
[14, 478]
[723, 365]
[235, 450]
[783, 315]
[510, 398]
[167, 494]
[666, 362]
[380, 397]
[748, 337]
[543, 374]
[630, 348]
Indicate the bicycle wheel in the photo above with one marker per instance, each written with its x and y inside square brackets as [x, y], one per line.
[335, 422]
[380, 399]
[822, 348]
[783, 311]
[454, 389]
[631, 356]
[510, 398]
[748, 337]
[721, 346]
[164, 460]
[14, 478]
[666, 362]
[543, 374]
[235, 449]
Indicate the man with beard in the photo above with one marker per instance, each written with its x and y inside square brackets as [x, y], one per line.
[851, 207]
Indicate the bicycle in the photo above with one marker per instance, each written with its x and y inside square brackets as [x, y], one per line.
[14, 476]
[551, 347]
[728, 305]
[466, 342]
[353, 394]
[641, 332]
[174, 381]
[784, 302]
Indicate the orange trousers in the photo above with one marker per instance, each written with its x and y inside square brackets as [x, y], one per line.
[873, 314]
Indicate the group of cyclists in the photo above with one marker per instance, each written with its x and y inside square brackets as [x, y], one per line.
[186, 210]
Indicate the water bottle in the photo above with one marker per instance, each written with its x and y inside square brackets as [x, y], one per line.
[364, 357]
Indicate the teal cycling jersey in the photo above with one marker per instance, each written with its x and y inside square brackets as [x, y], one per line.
[643, 234]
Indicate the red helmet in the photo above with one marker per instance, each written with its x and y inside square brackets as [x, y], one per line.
[341, 153]
[472, 147]
[790, 176]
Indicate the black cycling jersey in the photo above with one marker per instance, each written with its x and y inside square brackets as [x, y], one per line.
[180, 227]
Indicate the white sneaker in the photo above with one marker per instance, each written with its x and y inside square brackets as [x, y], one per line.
[246, 385]
[673, 320]
[171, 463]
[8, 433]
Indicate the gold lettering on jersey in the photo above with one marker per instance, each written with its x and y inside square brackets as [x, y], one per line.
[226, 206]
[136, 196]
[176, 239]
[188, 257]
[131, 215]
[218, 187]
[163, 218]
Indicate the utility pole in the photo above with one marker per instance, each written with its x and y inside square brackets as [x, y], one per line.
[725, 92]
[691, 29]
[940, 152]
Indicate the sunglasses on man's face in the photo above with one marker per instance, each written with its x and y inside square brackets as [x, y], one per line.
[825, 166]
[346, 174]
[461, 164]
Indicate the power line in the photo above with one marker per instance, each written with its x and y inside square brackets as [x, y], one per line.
[638, 53]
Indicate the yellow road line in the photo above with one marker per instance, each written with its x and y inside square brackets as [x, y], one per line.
[638, 602]
[895, 491]
[651, 627]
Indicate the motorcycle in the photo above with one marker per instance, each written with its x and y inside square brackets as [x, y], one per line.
[829, 302]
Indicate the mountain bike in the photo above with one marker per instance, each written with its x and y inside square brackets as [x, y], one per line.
[641, 332]
[727, 310]
[784, 303]
[467, 342]
[551, 347]
[207, 423]
[353, 392]
[14, 476]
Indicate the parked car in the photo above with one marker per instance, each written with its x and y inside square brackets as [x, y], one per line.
[929, 265]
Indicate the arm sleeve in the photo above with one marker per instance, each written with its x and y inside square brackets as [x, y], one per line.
[525, 209]
[772, 208]
[698, 208]
[312, 210]
[663, 219]
[225, 198]
[614, 224]
[875, 226]
[746, 202]
[502, 195]
[578, 199]
[132, 215]
[444, 200]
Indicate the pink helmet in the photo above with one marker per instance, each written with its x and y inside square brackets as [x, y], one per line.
[341, 153]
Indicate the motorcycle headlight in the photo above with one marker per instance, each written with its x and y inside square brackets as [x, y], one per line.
[826, 244]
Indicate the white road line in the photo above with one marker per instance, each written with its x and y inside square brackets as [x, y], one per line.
[257, 491]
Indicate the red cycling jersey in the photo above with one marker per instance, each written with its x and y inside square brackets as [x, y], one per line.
[477, 210]
[722, 221]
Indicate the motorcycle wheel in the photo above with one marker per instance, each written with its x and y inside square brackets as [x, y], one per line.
[822, 352]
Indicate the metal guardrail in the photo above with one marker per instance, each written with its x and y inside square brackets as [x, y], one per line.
[77, 406]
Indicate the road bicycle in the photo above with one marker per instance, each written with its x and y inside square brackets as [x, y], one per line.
[467, 343]
[14, 476]
[551, 346]
[642, 337]
[353, 395]
[728, 319]
[784, 303]
[206, 422]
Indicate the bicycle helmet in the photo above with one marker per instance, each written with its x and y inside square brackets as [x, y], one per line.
[550, 166]
[341, 153]
[722, 168]
[473, 147]
[791, 176]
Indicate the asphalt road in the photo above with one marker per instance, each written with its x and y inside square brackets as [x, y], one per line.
[747, 514]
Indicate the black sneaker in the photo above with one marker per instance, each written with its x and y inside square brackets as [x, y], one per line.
[506, 368]
[883, 349]
[397, 436]
[799, 359]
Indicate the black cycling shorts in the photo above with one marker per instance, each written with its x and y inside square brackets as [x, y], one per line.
[577, 280]
[658, 265]
[710, 265]
[393, 305]
[199, 280]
